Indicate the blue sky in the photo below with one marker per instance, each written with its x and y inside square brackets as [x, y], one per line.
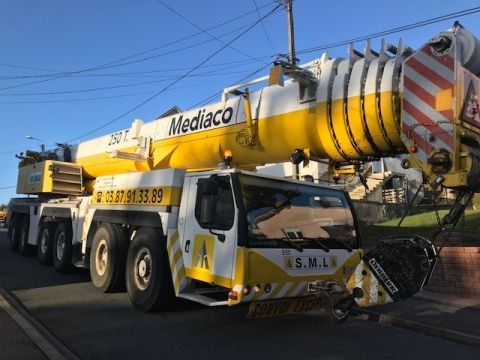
[41, 38]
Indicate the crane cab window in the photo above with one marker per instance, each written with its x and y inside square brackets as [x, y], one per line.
[214, 208]
[282, 214]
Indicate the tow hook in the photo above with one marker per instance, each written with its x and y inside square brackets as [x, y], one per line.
[336, 298]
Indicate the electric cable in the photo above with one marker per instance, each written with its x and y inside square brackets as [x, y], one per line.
[120, 61]
[181, 16]
[166, 78]
[269, 40]
[415, 25]
[177, 80]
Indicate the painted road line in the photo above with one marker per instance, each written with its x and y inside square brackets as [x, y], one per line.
[51, 347]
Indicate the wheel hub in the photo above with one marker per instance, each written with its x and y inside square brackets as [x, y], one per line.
[143, 268]
[60, 246]
[44, 241]
[101, 257]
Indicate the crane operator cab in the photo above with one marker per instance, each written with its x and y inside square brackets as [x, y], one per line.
[282, 245]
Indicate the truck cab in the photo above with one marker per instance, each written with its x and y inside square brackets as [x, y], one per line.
[260, 238]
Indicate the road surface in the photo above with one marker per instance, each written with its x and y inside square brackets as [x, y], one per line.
[105, 326]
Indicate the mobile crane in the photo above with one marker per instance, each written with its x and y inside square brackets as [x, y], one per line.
[170, 207]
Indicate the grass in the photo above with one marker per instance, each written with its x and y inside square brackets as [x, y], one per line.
[467, 231]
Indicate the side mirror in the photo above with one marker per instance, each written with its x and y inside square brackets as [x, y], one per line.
[208, 211]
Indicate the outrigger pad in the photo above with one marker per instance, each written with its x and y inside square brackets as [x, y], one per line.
[402, 266]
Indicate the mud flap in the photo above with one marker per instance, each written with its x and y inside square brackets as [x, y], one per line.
[394, 270]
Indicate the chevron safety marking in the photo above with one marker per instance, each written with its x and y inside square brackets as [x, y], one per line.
[425, 123]
[373, 292]
[177, 267]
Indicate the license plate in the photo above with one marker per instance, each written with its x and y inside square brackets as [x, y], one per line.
[282, 307]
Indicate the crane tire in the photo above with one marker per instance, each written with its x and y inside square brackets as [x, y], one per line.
[45, 243]
[13, 232]
[149, 280]
[107, 258]
[24, 247]
[62, 248]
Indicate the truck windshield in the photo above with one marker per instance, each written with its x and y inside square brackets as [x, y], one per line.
[282, 214]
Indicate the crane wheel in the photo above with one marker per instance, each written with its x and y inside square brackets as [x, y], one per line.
[24, 247]
[62, 247]
[107, 258]
[149, 281]
[45, 243]
[13, 232]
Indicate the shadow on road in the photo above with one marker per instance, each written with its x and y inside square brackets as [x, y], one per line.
[25, 272]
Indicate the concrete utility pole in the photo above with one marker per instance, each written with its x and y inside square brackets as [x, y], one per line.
[291, 34]
[293, 62]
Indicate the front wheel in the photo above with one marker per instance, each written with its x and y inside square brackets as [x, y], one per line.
[149, 281]
[62, 248]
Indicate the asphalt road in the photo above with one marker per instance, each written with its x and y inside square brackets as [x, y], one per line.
[105, 326]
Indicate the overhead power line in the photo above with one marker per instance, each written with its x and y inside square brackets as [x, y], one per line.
[183, 17]
[414, 25]
[264, 28]
[178, 79]
[64, 75]
[426, 22]
[211, 97]
[122, 61]
[49, 101]
[220, 66]
[163, 79]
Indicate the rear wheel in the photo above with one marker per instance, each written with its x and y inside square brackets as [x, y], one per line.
[149, 281]
[45, 243]
[62, 248]
[13, 232]
[107, 258]
[24, 247]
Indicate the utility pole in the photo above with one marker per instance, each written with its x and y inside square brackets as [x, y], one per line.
[292, 61]
[291, 34]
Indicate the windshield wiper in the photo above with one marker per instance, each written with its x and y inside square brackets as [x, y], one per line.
[291, 243]
[345, 245]
[318, 242]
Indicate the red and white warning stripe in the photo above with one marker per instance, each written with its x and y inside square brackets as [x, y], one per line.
[424, 75]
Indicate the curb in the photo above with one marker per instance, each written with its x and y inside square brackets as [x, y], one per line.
[49, 345]
[438, 332]
[449, 300]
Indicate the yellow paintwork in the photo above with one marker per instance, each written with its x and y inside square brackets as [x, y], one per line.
[357, 126]
[374, 292]
[252, 268]
[103, 164]
[444, 100]
[341, 131]
[374, 122]
[327, 135]
[49, 177]
[144, 196]
[388, 106]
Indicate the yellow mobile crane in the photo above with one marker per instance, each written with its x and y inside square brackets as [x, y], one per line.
[169, 207]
